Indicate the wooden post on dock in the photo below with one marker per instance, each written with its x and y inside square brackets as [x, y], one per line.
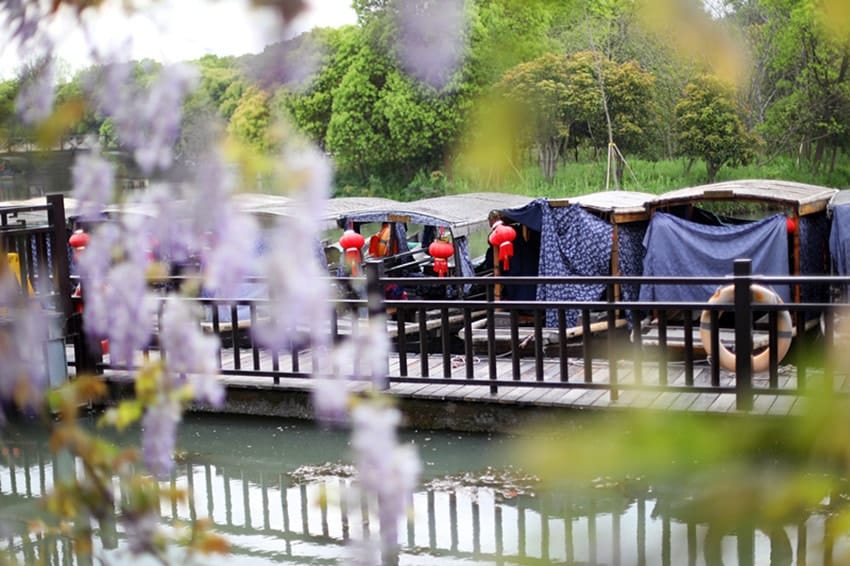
[743, 335]
[376, 309]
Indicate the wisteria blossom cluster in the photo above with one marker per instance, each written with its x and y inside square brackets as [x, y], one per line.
[188, 228]
[385, 469]
[147, 120]
[23, 375]
[431, 43]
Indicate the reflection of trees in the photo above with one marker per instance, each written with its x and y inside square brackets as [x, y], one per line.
[744, 503]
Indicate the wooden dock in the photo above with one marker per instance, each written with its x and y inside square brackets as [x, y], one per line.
[468, 382]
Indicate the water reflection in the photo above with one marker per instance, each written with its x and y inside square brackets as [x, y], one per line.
[248, 477]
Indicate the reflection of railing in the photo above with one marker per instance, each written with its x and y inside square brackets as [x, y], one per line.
[266, 514]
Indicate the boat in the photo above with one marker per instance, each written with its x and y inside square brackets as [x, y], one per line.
[597, 234]
[781, 226]
[460, 218]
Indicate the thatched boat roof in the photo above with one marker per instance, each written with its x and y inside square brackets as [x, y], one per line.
[803, 198]
[617, 206]
[462, 213]
[840, 198]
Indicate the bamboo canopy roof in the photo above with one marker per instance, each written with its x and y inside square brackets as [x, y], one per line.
[251, 202]
[268, 207]
[617, 206]
[463, 214]
[803, 198]
[840, 198]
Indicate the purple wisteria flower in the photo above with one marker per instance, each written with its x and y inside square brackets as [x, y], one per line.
[384, 468]
[431, 39]
[34, 102]
[22, 18]
[209, 203]
[331, 398]
[93, 179]
[147, 121]
[190, 353]
[159, 221]
[23, 328]
[299, 290]
[159, 426]
[363, 357]
[232, 258]
[121, 309]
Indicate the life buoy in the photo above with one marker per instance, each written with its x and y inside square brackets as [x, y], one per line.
[760, 295]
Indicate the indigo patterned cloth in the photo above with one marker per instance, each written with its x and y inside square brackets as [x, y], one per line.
[676, 247]
[631, 253]
[572, 242]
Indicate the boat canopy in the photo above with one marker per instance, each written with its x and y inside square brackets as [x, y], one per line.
[803, 198]
[462, 214]
[619, 207]
[268, 207]
[798, 217]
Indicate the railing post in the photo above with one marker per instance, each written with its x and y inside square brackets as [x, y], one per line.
[492, 291]
[377, 309]
[59, 252]
[611, 317]
[743, 335]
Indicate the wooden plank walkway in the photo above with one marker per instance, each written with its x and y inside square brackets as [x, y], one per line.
[255, 370]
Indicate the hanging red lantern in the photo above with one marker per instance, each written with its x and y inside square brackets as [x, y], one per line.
[352, 243]
[441, 250]
[78, 240]
[503, 237]
[790, 224]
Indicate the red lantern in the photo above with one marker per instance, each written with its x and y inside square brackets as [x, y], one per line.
[441, 251]
[503, 237]
[78, 240]
[790, 225]
[352, 243]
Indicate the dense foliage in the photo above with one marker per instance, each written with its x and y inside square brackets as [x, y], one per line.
[573, 78]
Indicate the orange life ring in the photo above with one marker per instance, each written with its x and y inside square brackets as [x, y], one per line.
[761, 295]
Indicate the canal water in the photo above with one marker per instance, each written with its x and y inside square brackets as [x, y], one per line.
[276, 489]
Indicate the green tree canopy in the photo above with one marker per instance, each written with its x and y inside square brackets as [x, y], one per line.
[562, 98]
[710, 127]
[251, 119]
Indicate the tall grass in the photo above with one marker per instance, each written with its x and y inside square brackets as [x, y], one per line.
[577, 178]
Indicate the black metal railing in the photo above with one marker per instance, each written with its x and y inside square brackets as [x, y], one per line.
[641, 346]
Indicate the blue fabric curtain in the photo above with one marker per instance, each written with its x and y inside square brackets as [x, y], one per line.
[680, 248]
[839, 239]
[572, 242]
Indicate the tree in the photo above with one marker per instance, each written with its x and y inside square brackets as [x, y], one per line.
[710, 127]
[311, 109]
[8, 124]
[251, 119]
[807, 79]
[553, 93]
[562, 97]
